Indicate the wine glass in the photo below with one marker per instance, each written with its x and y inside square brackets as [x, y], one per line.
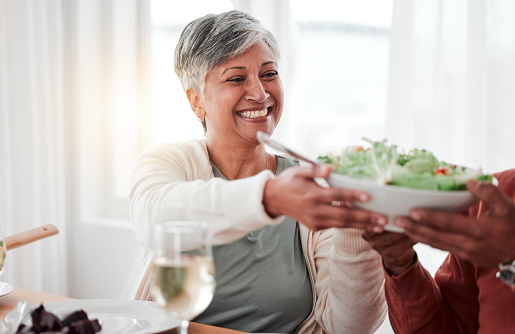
[183, 269]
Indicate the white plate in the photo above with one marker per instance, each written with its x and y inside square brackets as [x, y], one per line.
[115, 316]
[5, 288]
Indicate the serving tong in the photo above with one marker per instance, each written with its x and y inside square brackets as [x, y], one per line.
[265, 139]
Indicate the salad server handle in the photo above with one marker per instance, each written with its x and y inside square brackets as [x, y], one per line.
[265, 139]
[27, 237]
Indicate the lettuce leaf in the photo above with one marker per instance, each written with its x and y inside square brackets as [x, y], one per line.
[418, 168]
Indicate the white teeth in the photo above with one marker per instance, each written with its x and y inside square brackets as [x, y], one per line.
[254, 114]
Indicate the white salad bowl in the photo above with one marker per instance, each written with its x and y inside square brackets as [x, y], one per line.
[398, 201]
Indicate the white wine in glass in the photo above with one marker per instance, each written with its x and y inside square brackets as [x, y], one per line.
[183, 269]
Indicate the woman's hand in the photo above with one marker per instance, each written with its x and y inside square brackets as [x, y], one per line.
[296, 194]
[396, 249]
[486, 240]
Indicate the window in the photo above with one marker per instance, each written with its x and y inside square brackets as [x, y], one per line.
[336, 90]
[341, 74]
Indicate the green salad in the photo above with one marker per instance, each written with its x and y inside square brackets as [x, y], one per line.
[418, 169]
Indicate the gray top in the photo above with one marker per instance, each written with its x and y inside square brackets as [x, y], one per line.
[262, 282]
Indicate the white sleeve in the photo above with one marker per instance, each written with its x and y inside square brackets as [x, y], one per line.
[349, 283]
[175, 182]
[357, 282]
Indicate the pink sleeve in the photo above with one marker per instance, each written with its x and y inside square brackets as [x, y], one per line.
[419, 303]
[450, 302]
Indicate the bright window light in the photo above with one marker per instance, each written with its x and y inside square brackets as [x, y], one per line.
[364, 12]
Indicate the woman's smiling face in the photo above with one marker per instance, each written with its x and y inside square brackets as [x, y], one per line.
[242, 96]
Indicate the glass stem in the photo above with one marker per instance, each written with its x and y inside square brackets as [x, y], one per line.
[183, 327]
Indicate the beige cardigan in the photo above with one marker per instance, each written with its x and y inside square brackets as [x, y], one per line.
[175, 181]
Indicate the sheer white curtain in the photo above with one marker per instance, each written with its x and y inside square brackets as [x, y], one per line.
[107, 73]
[32, 187]
[452, 78]
[73, 81]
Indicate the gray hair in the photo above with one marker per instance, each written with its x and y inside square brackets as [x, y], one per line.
[211, 40]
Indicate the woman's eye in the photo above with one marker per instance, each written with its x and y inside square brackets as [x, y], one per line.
[270, 74]
[237, 79]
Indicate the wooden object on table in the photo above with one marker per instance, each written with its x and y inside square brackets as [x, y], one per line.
[9, 302]
[27, 237]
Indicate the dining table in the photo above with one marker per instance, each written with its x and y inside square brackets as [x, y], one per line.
[9, 302]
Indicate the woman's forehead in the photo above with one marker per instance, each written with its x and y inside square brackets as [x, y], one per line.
[259, 52]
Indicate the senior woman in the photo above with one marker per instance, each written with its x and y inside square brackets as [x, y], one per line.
[273, 274]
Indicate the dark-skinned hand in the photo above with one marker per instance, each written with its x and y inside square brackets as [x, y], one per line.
[396, 249]
[486, 240]
[295, 193]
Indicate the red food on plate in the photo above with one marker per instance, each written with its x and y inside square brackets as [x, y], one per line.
[46, 322]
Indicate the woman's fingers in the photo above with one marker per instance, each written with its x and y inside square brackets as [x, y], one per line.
[311, 172]
[322, 171]
[439, 220]
[327, 216]
[383, 241]
[466, 244]
[426, 230]
[296, 193]
[498, 202]
[347, 195]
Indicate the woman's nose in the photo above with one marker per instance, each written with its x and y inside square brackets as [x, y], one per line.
[256, 91]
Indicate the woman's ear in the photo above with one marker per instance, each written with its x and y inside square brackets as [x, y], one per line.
[195, 102]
